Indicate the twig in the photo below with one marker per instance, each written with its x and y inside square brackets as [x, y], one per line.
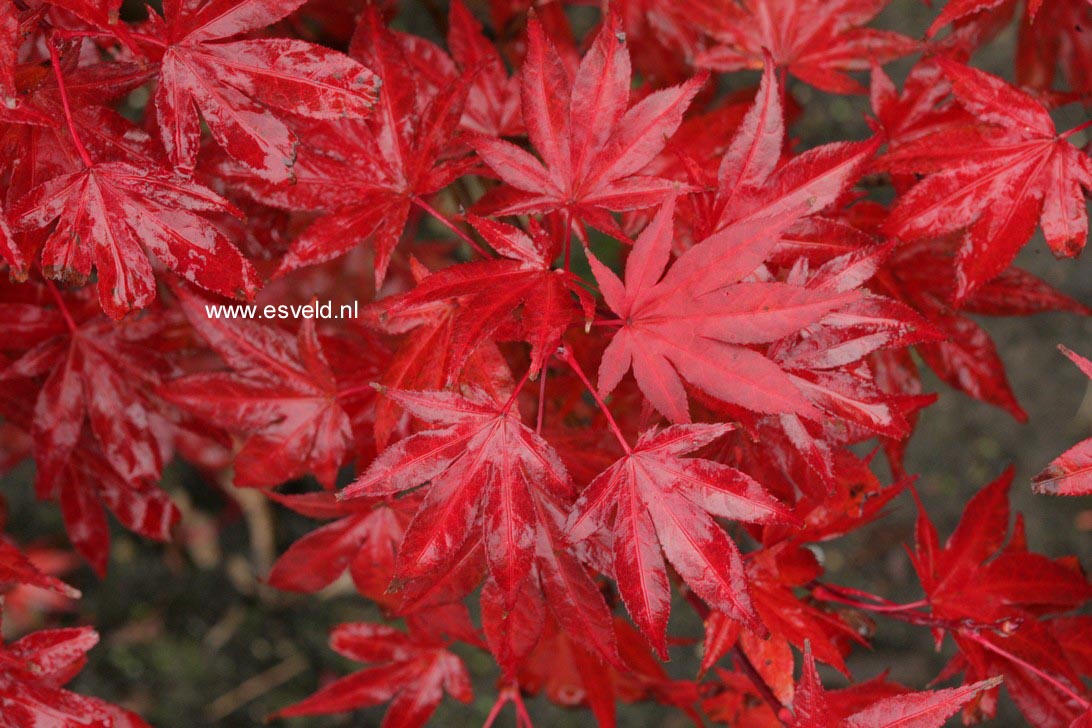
[255, 687]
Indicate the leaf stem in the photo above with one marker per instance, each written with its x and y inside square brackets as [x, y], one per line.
[517, 390]
[450, 226]
[764, 690]
[55, 61]
[568, 237]
[541, 414]
[509, 693]
[1076, 130]
[827, 592]
[568, 358]
[353, 391]
[1061, 687]
[61, 306]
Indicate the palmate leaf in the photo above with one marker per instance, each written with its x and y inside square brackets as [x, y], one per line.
[1012, 172]
[280, 393]
[1071, 472]
[663, 501]
[695, 323]
[235, 84]
[33, 671]
[412, 673]
[976, 578]
[366, 174]
[518, 297]
[363, 538]
[591, 142]
[813, 706]
[111, 216]
[484, 468]
[818, 41]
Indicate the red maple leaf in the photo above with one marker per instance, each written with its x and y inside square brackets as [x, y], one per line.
[996, 598]
[16, 569]
[1009, 173]
[663, 501]
[818, 41]
[94, 373]
[695, 326]
[236, 83]
[484, 469]
[412, 673]
[281, 394]
[364, 538]
[755, 179]
[520, 297]
[367, 175]
[592, 144]
[814, 707]
[1071, 472]
[111, 216]
[33, 671]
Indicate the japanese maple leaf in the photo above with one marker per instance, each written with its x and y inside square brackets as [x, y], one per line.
[753, 180]
[280, 394]
[75, 470]
[814, 707]
[591, 143]
[818, 41]
[411, 672]
[87, 486]
[662, 501]
[33, 671]
[363, 537]
[492, 105]
[1071, 472]
[35, 149]
[995, 597]
[1052, 39]
[235, 84]
[367, 175]
[956, 10]
[569, 675]
[422, 358]
[484, 469]
[112, 216]
[559, 589]
[773, 574]
[922, 274]
[95, 373]
[698, 322]
[518, 297]
[17, 569]
[25, 604]
[1018, 170]
[827, 360]
[9, 50]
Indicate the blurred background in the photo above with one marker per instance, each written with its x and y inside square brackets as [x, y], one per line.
[192, 637]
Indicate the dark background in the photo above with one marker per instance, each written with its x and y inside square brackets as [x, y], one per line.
[190, 636]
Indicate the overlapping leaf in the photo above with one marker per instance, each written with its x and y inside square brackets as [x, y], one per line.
[695, 326]
[591, 143]
[818, 41]
[410, 672]
[111, 216]
[236, 83]
[281, 394]
[662, 501]
[1012, 172]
